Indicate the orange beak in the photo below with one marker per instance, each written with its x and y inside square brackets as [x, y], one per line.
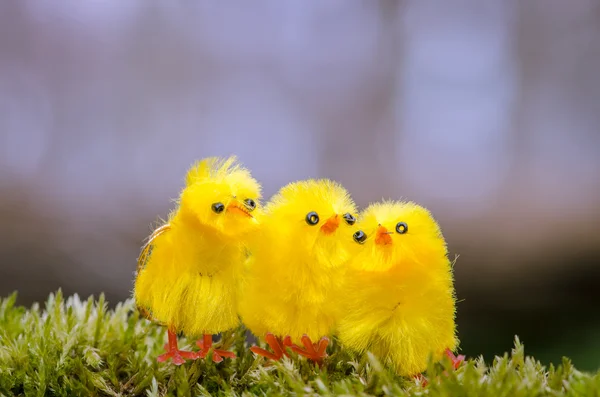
[235, 208]
[383, 236]
[331, 225]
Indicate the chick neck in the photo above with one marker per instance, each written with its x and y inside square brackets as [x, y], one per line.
[405, 264]
[322, 252]
[208, 251]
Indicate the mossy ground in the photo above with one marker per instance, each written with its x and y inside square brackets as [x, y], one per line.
[73, 347]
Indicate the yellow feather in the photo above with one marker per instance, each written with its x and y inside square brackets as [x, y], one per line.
[399, 300]
[189, 269]
[213, 168]
[295, 268]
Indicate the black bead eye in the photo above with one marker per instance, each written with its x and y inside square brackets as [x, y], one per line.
[250, 204]
[360, 237]
[312, 218]
[349, 218]
[401, 227]
[218, 207]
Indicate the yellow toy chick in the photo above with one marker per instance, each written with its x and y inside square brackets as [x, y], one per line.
[188, 270]
[296, 268]
[399, 299]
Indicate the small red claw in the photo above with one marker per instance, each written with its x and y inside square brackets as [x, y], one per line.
[264, 353]
[323, 343]
[313, 351]
[276, 344]
[456, 360]
[172, 351]
[216, 357]
[421, 378]
[205, 345]
[177, 359]
[456, 363]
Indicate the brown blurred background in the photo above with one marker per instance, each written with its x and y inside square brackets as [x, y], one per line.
[487, 112]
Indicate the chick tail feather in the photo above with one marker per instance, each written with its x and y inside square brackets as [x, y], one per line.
[141, 262]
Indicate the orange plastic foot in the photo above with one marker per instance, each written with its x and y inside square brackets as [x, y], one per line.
[313, 351]
[422, 379]
[217, 354]
[276, 344]
[456, 360]
[173, 353]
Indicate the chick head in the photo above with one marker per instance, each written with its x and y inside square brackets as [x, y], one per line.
[222, 194]
[392, 234]
[315, 215]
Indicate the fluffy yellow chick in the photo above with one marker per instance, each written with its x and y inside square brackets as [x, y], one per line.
[399, 299]
[189, 269]
[296, 267]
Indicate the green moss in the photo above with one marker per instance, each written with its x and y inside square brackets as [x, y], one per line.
[76, 347]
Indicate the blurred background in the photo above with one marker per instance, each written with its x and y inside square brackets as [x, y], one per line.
[487, 112]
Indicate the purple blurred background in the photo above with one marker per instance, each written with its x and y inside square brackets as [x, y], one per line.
[486, 112]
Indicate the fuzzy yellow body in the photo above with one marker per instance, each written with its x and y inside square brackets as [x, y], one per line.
[399, 299]
[190, 280]
[181, 285]
[296, 269]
